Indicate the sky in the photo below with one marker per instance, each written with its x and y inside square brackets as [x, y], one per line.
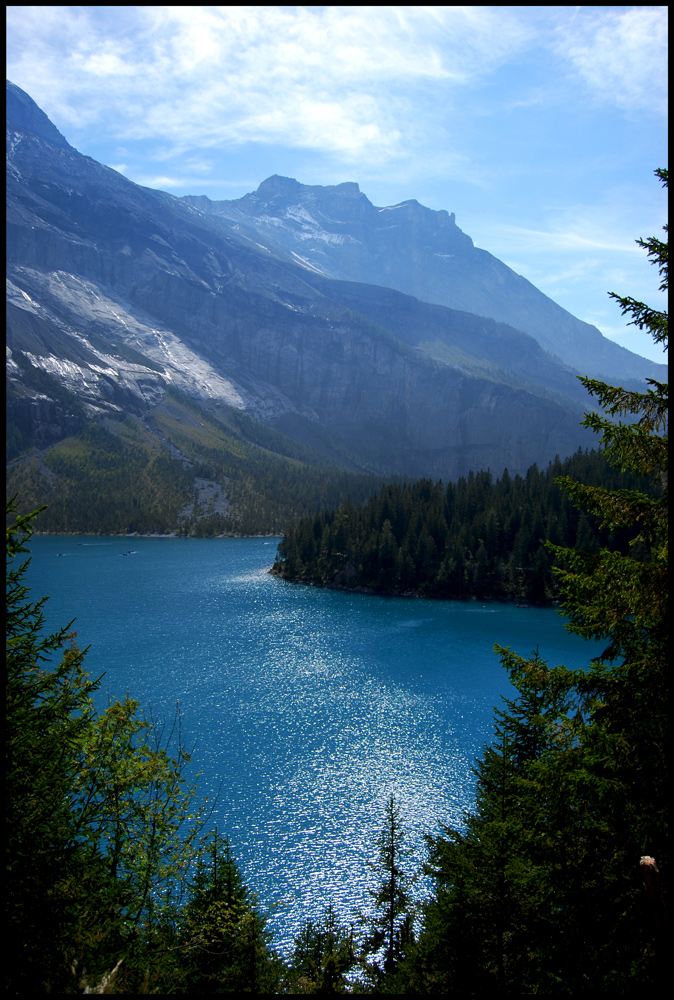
[539, 127]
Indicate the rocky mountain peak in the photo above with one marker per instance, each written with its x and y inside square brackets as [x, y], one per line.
[294, 306]
[281, 192]
[337, 231]
[412, 211]
[277, 187]
[24, 114]
[349, 189]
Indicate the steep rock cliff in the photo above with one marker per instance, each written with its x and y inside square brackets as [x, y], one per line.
[118, 292]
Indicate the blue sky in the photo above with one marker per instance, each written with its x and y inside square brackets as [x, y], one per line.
[540, 127]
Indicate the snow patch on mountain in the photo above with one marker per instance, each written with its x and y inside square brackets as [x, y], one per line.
[307, 263]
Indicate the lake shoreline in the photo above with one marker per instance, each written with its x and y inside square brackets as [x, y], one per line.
[139, 534]
[413, 594]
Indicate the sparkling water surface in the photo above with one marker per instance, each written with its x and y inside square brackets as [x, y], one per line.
[304, 708]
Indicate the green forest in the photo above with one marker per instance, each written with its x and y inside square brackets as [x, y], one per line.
[555, 883]
[476, 538]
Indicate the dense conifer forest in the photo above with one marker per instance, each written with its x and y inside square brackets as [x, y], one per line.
[555, 883]
[476, 538]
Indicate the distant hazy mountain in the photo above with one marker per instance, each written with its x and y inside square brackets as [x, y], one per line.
[117, 294]
[416, 250]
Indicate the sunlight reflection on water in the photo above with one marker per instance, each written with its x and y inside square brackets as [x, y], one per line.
[307, 708]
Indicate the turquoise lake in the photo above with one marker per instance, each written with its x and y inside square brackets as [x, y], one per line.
[306, 708]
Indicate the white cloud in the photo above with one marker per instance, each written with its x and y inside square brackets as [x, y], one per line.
[335, 79]
[621, 55]
[357, 83]
[582, 238]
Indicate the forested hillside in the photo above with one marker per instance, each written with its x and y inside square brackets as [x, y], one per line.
[476, 538]
[181, 471]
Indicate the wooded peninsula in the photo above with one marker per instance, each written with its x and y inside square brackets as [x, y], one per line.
[477, 538]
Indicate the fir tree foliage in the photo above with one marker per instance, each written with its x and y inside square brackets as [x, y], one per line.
[47, 715]
[323, 956]
[224, 940]
[476, 538]
[103, 833]
[556, 882]
[390, 932]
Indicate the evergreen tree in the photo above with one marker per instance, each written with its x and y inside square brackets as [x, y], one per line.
[622, 599]
[100, 832]
[391, 931]
[224, 943]
[47, 714]
[556, 883]
[474, 539]
[323, 956]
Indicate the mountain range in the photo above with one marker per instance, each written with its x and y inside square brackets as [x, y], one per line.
[298, 327]
[339, 233]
